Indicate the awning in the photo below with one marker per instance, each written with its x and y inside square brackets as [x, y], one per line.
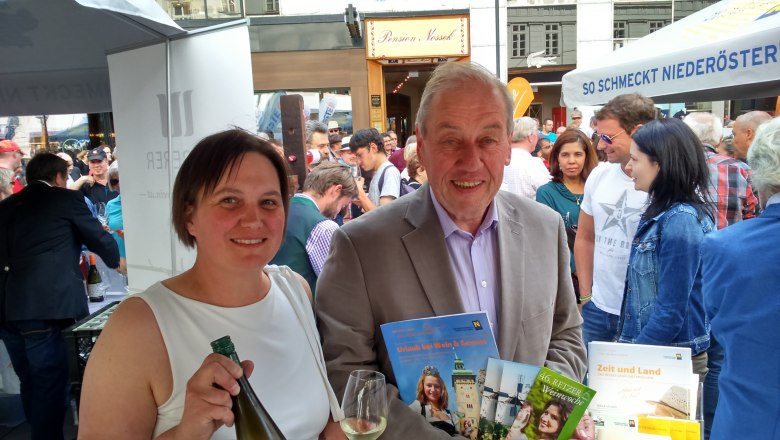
[53, 52]
[730, 50]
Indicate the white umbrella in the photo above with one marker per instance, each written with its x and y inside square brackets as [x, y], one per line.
[730, 50]
[53, 52]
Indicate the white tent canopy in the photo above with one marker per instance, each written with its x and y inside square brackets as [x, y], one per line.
[730, 50]
[53, 52]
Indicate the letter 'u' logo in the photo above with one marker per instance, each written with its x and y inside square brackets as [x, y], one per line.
[181, 114]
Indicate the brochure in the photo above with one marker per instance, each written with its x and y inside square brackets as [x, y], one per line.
[557, 404]
[635, 380]
[440, 366]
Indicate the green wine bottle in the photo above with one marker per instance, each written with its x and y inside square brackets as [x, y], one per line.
[94, 291]
[252, 421]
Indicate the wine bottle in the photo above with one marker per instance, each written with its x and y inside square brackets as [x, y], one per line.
[252, 421]
[94, 291]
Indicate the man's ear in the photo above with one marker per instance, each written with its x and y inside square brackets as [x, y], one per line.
[750, 134]
[637, 127]
[372, 147]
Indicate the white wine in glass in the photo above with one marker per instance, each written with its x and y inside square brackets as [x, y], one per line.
[364, 405]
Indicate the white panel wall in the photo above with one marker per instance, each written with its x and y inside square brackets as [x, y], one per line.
[483, 35]
[211, 90]
[594, 31]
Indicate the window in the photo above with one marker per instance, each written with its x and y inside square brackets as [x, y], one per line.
[262, 7]
[519, 40]
[655, 25]
[619, 30]
[552, 39]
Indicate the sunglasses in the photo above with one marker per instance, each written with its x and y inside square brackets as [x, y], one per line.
[333, 130]
[608, 139]
[576, 117]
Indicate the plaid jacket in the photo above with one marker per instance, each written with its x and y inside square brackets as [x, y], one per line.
[730, 189]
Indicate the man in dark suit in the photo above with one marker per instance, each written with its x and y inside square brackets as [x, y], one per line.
[42, 290]
[455, 245]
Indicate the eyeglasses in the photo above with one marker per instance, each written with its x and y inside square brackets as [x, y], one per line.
[608, 139]
[333, 130]
[576, 117]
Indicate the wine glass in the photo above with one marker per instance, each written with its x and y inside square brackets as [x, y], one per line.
[102, 217]
[364, 405]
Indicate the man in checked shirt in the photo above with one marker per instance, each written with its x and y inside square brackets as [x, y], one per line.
[328, 188]
[730, 187]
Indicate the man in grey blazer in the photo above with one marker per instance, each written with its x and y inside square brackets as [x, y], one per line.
[455, 245]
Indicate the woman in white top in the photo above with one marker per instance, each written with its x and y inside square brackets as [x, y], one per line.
[151, 373]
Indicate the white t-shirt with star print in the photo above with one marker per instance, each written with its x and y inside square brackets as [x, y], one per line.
[614, 204]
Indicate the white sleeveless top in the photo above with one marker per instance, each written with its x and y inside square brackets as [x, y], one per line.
[277, 333]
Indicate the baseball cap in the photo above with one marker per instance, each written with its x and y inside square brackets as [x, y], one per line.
[7, 145]
[345, 142]
[96, 154]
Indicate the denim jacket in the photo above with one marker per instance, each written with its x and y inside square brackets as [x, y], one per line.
[662, 301]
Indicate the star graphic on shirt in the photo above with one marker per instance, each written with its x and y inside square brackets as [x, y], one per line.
[618, 213]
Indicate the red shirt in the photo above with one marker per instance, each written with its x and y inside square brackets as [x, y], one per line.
[17, 184]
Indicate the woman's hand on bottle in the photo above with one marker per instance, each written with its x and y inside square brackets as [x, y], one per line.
[207, 402]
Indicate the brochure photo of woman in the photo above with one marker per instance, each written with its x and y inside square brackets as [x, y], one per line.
[555, 414]
[432, 400]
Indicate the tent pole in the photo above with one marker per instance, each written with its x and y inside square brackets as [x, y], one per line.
[170, 145]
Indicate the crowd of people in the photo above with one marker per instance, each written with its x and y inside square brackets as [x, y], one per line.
[601, 233]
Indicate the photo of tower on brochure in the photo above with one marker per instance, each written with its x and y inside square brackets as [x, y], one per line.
[439, 365]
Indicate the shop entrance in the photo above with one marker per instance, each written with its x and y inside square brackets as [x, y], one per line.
[403, 88]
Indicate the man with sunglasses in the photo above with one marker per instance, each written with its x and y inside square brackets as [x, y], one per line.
[609, 216]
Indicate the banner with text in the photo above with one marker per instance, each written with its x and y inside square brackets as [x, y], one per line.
[417, 37]
[732, 43]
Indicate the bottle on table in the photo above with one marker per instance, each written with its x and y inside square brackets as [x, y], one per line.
[252, 421]
[94, 282]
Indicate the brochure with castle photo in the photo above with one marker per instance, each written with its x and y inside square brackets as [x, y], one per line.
[512, 408]
[490, 391]
[445, 355]
[634, 380]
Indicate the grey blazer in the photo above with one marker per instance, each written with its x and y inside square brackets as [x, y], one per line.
[392, 264]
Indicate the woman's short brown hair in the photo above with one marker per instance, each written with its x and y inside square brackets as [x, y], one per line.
[207, 164]
[569, 136]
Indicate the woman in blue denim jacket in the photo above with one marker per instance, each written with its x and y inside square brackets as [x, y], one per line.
[662, 303]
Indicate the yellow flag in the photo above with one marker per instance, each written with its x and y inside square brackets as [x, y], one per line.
[522, 95]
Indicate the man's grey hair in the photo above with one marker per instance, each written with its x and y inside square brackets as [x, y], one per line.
[525, 127]
[706, 126]
[764, 158]
[113, 172]
[315, 127]
[461, 75]
[753, 120]
[6, 186]
[576, 112]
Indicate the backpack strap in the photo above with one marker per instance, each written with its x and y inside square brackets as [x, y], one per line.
[381, 183]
